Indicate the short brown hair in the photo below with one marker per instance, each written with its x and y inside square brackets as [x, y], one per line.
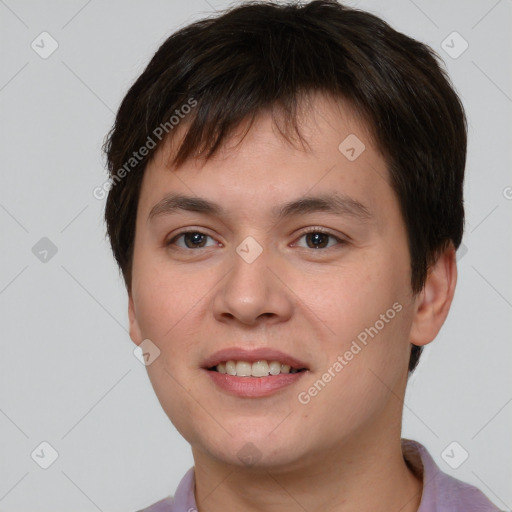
[263, 56]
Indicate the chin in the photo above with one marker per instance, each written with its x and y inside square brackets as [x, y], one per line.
[253, 446]
[254, 457]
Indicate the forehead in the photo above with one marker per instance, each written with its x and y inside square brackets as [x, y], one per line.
[256, 163]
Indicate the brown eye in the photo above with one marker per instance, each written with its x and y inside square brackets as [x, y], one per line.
[191, 239]
[318, 239]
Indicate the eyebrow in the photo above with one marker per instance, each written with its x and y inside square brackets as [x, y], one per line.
[339, 204]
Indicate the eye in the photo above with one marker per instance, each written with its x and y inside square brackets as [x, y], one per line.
[315, 239]
[319, 239]
[191, 239]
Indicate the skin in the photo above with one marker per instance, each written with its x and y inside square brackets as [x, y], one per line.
[305, 301]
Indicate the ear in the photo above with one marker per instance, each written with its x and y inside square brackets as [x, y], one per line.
[135, 333]
[434, 301]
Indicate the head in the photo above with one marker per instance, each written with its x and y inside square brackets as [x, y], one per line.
[262, 106]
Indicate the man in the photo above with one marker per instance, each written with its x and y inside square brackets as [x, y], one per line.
[285, 207]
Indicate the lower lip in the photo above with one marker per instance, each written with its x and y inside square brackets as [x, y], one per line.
[254, 387]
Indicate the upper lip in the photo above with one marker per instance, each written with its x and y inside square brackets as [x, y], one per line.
[251, 356]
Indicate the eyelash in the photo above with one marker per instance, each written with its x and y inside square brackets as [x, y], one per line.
[305, 232]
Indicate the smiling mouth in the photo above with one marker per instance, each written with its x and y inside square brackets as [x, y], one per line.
[260, 368]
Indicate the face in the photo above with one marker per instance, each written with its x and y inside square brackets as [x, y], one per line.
[325, 283]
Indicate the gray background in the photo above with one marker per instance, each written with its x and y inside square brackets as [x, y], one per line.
[68, 373]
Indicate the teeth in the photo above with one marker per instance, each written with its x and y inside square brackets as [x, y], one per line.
[275, 368]
[243, 369]
[259, 369]
[230, 367]
[256, 369]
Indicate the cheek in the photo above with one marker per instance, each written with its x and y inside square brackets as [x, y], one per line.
[351, 297]
[154, 308]
[363, 311]
[169, 305]
[175, 396]
[359, 380]
[163, 299]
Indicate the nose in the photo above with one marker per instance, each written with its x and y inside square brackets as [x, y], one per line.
[254, 292]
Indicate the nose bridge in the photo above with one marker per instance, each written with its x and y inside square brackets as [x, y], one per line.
[251, 289]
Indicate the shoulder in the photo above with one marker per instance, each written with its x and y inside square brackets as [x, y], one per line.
[442, 492]
[183, 499]
[164, 505]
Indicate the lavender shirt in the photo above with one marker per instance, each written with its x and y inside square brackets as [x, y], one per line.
[441, 492]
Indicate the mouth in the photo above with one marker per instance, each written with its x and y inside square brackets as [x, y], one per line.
[258, 362]
[255, 373]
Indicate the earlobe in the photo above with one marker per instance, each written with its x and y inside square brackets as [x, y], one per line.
[434, 301]
[135, 334]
